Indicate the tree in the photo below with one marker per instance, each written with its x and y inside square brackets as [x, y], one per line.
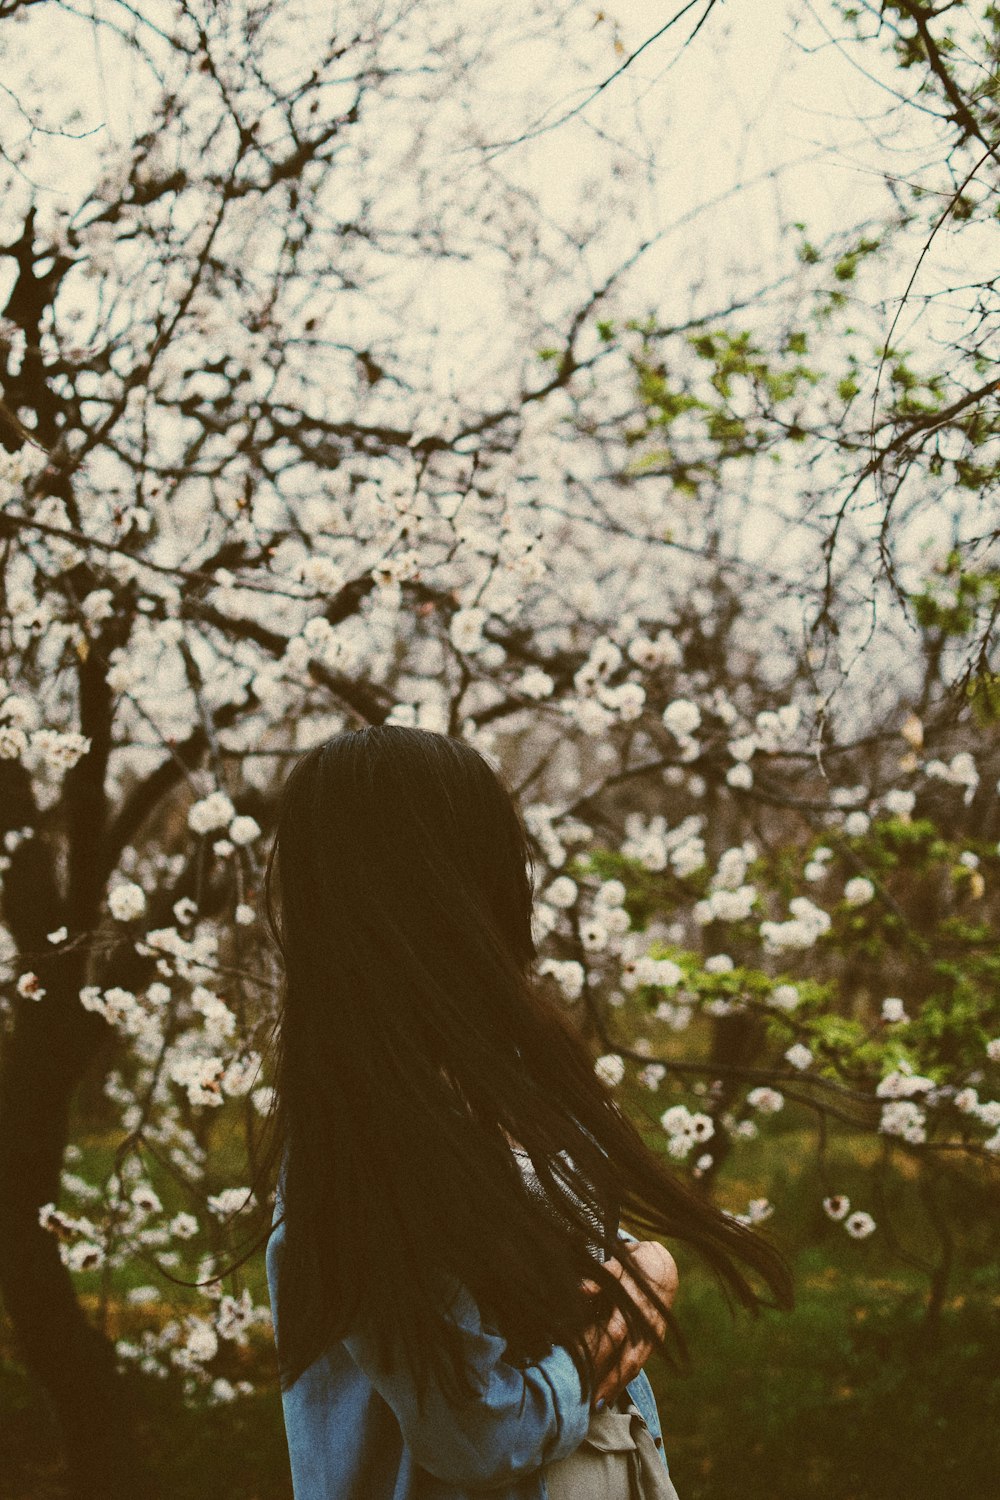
[246, 504]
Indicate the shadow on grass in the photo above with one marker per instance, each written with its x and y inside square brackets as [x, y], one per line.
[232, 1451]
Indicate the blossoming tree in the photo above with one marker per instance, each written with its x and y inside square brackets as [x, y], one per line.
[241, 511]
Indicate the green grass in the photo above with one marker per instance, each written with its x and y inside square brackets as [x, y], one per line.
[847, 1399]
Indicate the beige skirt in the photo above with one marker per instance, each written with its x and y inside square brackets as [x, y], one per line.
[617, 1460]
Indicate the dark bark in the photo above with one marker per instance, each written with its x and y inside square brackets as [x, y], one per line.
[44, 1057]
[45, 1054]
[51, 1046]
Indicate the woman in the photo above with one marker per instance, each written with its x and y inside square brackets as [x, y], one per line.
[455, 1310]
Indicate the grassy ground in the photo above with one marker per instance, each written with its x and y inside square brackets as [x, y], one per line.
[845, 1400]
[851, 1397]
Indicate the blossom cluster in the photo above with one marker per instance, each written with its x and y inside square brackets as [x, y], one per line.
[685, 1129]
[859, 1224]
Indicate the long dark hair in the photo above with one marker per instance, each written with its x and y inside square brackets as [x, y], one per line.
[414, 1044]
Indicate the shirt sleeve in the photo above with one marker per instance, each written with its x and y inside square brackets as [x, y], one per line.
[523, 1418]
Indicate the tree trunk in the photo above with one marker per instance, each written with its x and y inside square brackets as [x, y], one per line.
[44, 1056]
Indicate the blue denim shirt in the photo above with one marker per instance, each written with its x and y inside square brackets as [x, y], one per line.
[354, 1431]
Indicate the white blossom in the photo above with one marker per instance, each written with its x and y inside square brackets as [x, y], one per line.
[627, 699]
[234, 1316]
[21, 712]
[243, 830]
[858, 891]
[646, 842]
[567, 973]
[610, 1069]
[615, 918]
[682, 717]
[241, 1074]
[961, 771]
[904, 1118]
[662, 973]
[652, 1075]
[727, 906]
[146, 1199]
[859, 1225]
[687, 857]
[83, 1256]
[322, 573]
[766, 1100]
[212, 812]
[59, 751]
[605, 657]
[848, 796]
[685, 1128]
[899, 803]
[201, 1345]
[588, 715]
[142, 1296]
[201, 1077]
[97, 605]
[807, 924]
[594, 935]
[77, 1186]
[126, 901]
[562, 892]
[731, 869]
[466, 629]
[185, 910]
[30, 986]
[230, 1201]
[649, 654]
[13, 742]
[534, 683]
[901, 1083]
[610, 893]
[742, 748]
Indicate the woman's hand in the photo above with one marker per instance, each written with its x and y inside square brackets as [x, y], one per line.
[617, 1358]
